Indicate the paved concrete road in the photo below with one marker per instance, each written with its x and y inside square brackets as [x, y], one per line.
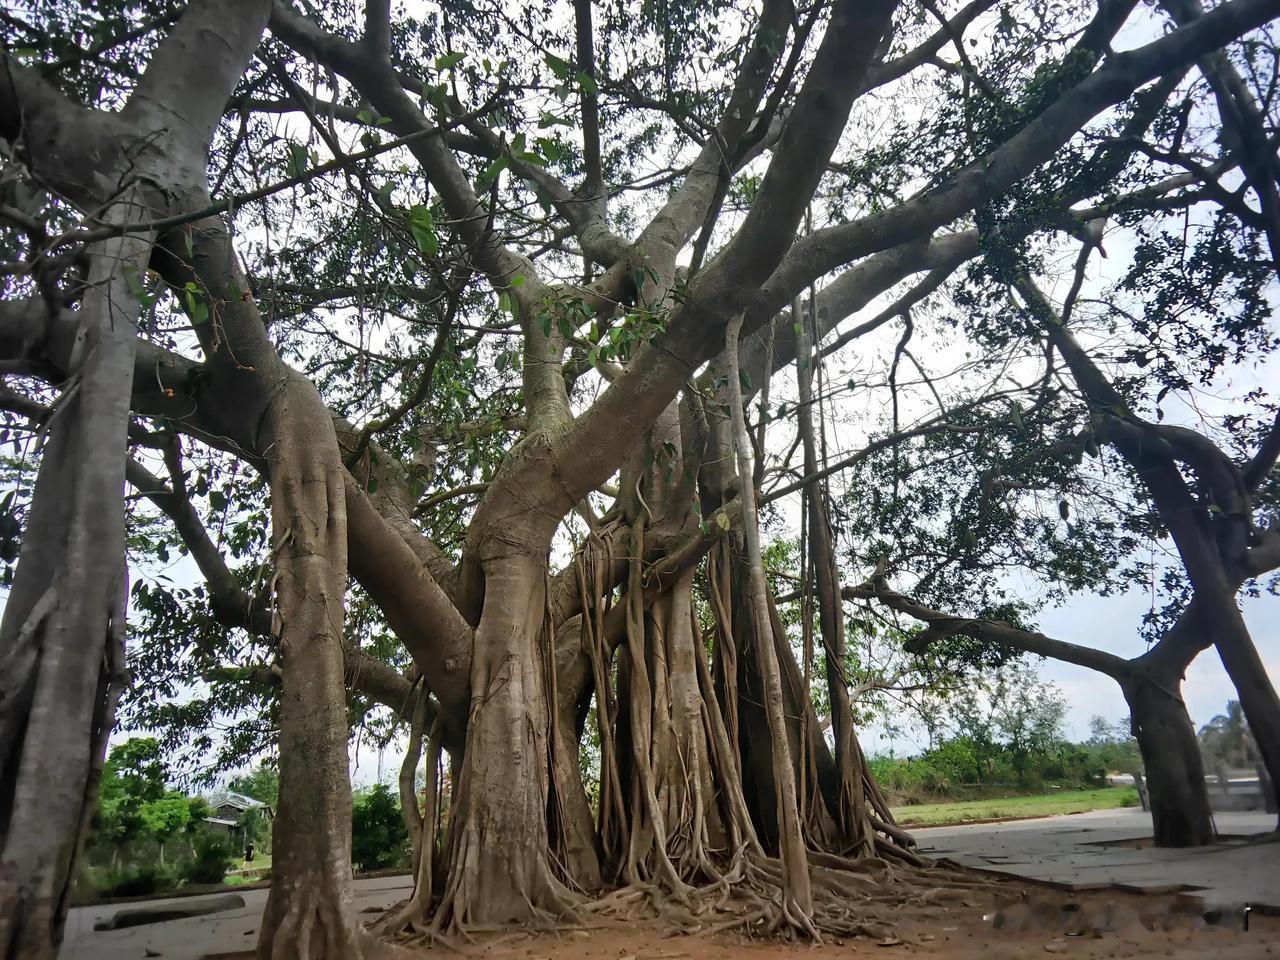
[1081, 850]
[198, 936]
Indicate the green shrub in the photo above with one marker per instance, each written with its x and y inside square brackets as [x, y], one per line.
[379, 838]
[210, 860]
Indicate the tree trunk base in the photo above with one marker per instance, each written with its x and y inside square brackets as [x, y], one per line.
[851, 898]
[319, 924]
[1179, 801]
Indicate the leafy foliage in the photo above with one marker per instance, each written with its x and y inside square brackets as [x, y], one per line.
[378, 833]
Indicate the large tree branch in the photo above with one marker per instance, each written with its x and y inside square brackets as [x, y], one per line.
[508, 272]
[594, 185]
[186, 85]
[67, 145]
[1212, 552]
[890, 70]
[854, 289]
[421, 614]
[231, 604]
[939, 625]
[658, 372]
[800, 157]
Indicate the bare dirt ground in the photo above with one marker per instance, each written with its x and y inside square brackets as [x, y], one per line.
[1018, 923]
[1104, 927]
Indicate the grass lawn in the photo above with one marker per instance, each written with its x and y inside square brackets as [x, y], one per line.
[1013, 808]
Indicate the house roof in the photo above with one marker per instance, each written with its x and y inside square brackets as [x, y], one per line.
[227, 798]
[220, 822]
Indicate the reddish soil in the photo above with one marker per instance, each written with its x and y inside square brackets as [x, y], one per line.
[1022, 923]
[943, 934]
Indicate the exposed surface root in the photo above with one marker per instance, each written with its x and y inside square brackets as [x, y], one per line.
[851, 898]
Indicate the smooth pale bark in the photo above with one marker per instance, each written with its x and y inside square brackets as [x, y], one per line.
[60, 642]
[499, 868]
[61, 655]
[309, 912]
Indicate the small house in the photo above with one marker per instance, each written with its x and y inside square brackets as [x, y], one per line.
[227, 811]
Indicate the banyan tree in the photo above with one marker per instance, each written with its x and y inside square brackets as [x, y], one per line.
[440, 339]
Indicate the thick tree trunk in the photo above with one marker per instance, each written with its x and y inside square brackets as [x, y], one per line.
[499, 865]
[673, 741]
[61, 659]
[309, 912]
[806, 746]
[1171, 758]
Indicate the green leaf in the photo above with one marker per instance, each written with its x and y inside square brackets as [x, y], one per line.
[516, 281]
[449, 61]
[295, 165]
[744, 378]
[504, 302]
[490, 173]
[134, 282]
[423, 228]
[550, 149]
[588, 83]
[1015, 412]
[546, 119]
[559, 67]
[722, 520]
[196, 306]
